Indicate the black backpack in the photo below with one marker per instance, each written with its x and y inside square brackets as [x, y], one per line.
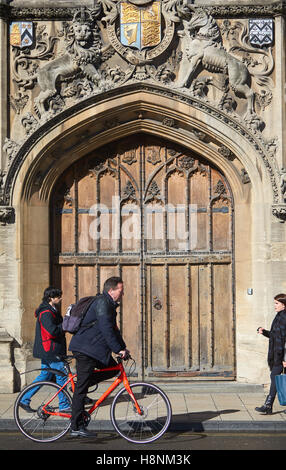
[75, 314]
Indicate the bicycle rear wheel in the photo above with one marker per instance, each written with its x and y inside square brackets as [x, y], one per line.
[155, 418]
[38, 425]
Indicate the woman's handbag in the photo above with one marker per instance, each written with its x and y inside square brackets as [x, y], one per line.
[281, 388]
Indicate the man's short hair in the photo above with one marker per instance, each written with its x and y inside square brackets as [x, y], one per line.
[111, 283]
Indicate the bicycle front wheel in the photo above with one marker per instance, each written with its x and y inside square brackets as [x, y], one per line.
[38, 424]
[155, 415]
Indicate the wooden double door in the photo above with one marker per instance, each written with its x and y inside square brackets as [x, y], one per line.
[161, 217]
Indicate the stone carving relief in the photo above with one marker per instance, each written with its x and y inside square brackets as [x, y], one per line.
[56, 79]
[172, 43]
[100, 52]
[202, 47]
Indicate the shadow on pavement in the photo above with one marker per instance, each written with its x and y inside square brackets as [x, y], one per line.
[194, 421]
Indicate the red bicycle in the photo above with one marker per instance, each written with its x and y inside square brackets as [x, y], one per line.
[140, 412]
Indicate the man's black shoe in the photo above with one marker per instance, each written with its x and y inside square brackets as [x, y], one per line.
[82, 432]
[27, 408]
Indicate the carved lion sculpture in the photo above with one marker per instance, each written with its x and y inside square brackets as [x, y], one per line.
[83, 53]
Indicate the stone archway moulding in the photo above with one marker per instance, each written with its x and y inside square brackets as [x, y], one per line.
[142, 108]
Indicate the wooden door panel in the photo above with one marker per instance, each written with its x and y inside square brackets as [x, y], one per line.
[131, 314]
[194, 318]
[87, 281]
[221, 226]
[105, 271]
[176, 212]
[179, 317]
[157, 323]
[205, 317]
[223, 317]
[199, 200]
[67, 275]
[87, 233]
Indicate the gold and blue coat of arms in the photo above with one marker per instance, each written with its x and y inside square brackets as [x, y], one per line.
[140, 27]
[21, 34]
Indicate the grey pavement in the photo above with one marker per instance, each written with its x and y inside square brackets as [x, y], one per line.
[206, 406]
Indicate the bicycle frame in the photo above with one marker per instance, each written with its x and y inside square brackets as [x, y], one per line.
[121, 379]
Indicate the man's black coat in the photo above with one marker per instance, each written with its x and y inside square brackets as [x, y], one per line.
[104, 336]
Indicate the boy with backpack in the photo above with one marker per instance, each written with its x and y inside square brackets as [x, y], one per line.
[49, 343]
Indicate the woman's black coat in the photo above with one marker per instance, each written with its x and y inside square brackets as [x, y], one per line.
[277, 339]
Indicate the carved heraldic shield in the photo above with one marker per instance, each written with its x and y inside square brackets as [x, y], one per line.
[140, 27]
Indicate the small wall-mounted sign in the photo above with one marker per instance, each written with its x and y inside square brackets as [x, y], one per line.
[21, 34]
[261, 31]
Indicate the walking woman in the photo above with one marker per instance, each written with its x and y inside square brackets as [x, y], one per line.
[276, 350]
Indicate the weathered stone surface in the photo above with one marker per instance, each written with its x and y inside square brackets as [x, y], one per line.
[78, 88]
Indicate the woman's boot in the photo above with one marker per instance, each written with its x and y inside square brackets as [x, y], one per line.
[267, 407]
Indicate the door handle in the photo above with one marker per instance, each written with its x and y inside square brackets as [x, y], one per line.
[157, 304]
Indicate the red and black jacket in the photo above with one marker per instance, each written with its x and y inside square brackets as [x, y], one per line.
[49, 338]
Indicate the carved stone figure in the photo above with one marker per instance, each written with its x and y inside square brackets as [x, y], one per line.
[7, 215]
[30, 123]
[83, 53]
[10, 148]
[202, 47]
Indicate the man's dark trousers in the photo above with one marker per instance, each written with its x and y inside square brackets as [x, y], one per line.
[86, 378]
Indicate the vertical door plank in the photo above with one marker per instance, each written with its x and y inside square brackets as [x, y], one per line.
[157, 321]
[199, 220]
[131, 325]
[221, 213]
[205, 316]
[176, 214]
[108, 189]
[87, 281]
[223, 316]
[195, 324]
[69, 291]
[178, 325]
[106, 271]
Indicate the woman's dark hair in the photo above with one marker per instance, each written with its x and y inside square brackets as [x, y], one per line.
[51, 293]
[111, 283]
[281, 298]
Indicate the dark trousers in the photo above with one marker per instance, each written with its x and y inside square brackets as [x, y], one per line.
[85, 366]
[276, 370]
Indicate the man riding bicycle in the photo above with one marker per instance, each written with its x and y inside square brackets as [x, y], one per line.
[92, 348]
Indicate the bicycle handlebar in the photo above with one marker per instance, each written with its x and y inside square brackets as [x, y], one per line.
[121, 358]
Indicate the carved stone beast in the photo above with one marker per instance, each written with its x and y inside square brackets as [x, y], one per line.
[83, 53]
[202, 47]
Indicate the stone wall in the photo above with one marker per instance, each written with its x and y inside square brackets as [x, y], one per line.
[46, 124]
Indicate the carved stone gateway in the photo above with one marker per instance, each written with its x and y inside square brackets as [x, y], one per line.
[158, 105]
